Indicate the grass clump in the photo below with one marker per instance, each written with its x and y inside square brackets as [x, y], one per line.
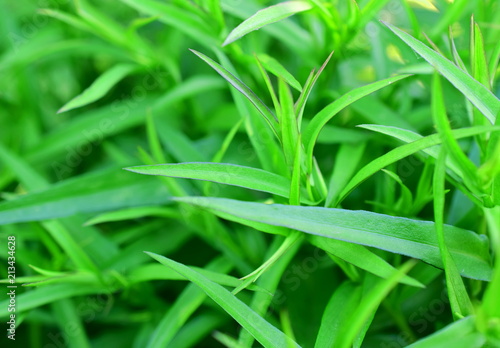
[297, 173]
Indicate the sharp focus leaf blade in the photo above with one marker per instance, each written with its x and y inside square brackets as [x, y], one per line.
[395, 234]
[477, 93]
[223, 173]
[242, 88]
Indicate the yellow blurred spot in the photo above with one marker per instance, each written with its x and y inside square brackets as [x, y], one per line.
[394, 54]
[367, 74]
[425, 4]
[456, 30]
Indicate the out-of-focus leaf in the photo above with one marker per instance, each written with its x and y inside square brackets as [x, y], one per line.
[95, 192]
[460, 334]
[267, 16]
[99, 87]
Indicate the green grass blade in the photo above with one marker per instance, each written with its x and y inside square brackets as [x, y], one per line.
[399, 235]
[404, 151]
[408, 136]
[148, 272]
[47, 294]
[243, 89]
[287, 244]
[131, 213]
[341, 305]
[267, 16]
[312, 131]
[264, 332]
[493, 65]
[275, 67]
[478, 57]
[223, 173]
[94, 126]
[369, 304]
[491, 302]
[361, 257]
[217, 158]
[270, 281]
[67, 18]
[269, 84]
[184, 21]
[66, 312]
[473, 90]
[456, 56]
[263, 139]
[153, 140]
[99, 87]
[68, 239]
[185, 305]
[197, 329]
[94, 192]
[102, 23]
[306, 91]
[346, 162]
[288, 122]
[296, 174]
[460, 334]
[296, 38]
[227, 340]
[461, 305]
[467, 168]
[227, 142]
[377, 112]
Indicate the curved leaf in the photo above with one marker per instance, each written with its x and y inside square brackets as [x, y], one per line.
[242, 88]
[222, 173]
[404, 151]
[477, 93]
[267, 16]
[361, 257]
[264, 332]
[312, 131]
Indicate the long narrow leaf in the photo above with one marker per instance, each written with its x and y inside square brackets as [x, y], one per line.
[267, 16]
[94, 192]
[341, 305]
[461, 305]
[223, 173]
[477, 93]
[460, 334]
[243, 89]
[368, 306]
[312, 131]
[399, 235]
[404, 151]
[99, 87]
[264, 332]
[361, 257]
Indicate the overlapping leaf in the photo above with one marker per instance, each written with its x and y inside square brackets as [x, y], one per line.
[399, 235]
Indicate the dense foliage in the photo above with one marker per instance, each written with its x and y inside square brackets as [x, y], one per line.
[240, 173]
